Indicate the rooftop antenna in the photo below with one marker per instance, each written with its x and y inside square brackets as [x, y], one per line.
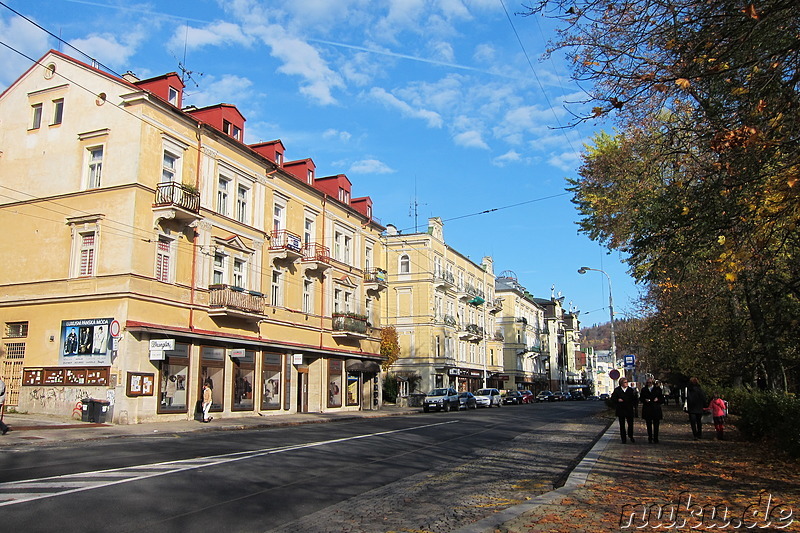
[186, 74]
[413, 210]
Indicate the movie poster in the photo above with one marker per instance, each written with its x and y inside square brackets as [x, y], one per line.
[85, 342]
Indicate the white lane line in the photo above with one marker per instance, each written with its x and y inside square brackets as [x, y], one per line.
[62, 484]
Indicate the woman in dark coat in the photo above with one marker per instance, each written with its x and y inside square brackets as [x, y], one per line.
[696, 403]
[652, 398]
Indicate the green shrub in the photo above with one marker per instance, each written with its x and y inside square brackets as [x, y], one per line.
[767, 415]
[390, 388]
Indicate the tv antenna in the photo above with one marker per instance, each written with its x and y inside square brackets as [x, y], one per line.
[186, 74]
[413, 209]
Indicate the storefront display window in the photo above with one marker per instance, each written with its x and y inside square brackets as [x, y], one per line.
[244, 372]
[352, 389]
[271, 382]
[334, 383]
[174, 380]
[212, 368]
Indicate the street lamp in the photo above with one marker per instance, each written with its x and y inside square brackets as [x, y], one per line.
[583, 270]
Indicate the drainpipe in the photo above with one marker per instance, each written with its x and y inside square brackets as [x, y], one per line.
[322, 278]
[194, 237]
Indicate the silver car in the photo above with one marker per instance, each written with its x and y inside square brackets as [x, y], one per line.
[489, 398]
[441, 400]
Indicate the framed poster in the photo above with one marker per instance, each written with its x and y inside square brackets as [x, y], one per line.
[334, 383]
[140, 384]
[85, 342]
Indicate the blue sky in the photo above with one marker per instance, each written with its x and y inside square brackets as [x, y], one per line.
[445, 104]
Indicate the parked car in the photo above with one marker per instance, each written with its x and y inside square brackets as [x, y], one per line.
[441, 400]
[604, 396]
[527, 396]
[593, 398]
[512, 397]
[558, 396]
[577, 395]
[488, 398]
[467, 400]
[544, 396]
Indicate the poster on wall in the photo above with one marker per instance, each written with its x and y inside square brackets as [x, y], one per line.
[85, 342]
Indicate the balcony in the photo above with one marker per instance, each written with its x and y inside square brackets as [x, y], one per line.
[470, 332]
[449, 320]
[284, 244]
[315, 257]
[498, 336]
[349, 326]
[176, 201]
[444, 280]
[376, 279]
[235, 302]
[495, 306]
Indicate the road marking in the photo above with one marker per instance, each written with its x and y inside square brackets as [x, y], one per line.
[49, 487]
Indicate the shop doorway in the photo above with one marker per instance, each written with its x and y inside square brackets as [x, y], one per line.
[302, 390]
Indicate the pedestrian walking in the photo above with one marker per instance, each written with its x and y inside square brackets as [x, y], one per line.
[719, 410]
[652, 398]
[625, 400]
[207, 400]
[695, 405]
[3, 427]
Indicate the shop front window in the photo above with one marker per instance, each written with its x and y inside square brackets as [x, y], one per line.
[244, 372]
[174, 380]
[271, 382]
[212, 369]
[334, 383]
[352, 389]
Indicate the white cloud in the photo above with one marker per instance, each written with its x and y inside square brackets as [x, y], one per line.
[226, 89]
[443, 51]
[512, 156]
[370, 166]
[566, 161]
[484, 53]
[433, 119]
[214, 34]
[113, 50]
[24, 37]
[470, 139]
[333, 134]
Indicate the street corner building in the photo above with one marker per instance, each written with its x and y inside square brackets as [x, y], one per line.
[148, 250]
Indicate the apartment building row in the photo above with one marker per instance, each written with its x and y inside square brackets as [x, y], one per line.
[149, 250]
[459, 324]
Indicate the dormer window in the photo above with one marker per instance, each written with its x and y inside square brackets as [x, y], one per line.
[310, 177]
[344, 196]
[232, 130]
[172, 97]
[279, 158]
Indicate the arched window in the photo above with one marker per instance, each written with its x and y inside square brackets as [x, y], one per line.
[405, 264]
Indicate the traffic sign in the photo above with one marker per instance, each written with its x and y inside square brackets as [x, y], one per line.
[614, 374]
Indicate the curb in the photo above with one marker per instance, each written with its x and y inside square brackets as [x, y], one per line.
[577, 478]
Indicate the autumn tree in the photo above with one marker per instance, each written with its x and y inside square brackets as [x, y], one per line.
[390, 346]
[699, 182]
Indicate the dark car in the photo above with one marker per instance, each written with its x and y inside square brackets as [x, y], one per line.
[558, 396]
[527, 396]
[441, 400]
[467, 400]
[512, 397]
[577, 395]
[544, 396]
[604, 396]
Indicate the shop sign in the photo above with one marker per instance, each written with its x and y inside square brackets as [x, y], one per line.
[162, 344]
[157, 355]
[297, 359]
[453, 372]
[237, 353]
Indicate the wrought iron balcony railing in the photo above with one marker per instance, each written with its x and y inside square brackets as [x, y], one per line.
[178, 195]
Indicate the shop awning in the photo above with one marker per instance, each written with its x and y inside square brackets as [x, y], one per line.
[365, 367]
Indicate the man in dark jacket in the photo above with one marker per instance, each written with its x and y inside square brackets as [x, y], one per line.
[652, 398]
[696, 403]
[625, 401]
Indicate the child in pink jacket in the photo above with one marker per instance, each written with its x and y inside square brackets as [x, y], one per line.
[719, 409]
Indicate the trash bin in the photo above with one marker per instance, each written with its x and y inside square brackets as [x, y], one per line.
[100, 411]
[85, 409]
[94, 410]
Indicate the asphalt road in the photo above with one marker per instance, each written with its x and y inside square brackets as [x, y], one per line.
[263, 480]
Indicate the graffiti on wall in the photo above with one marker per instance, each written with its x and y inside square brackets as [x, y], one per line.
[56, 399]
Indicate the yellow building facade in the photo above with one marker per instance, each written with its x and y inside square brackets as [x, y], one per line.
[150, 250]
[443, 307]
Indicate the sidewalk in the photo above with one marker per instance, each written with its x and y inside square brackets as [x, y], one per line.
[44, 429]
[622, 487]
